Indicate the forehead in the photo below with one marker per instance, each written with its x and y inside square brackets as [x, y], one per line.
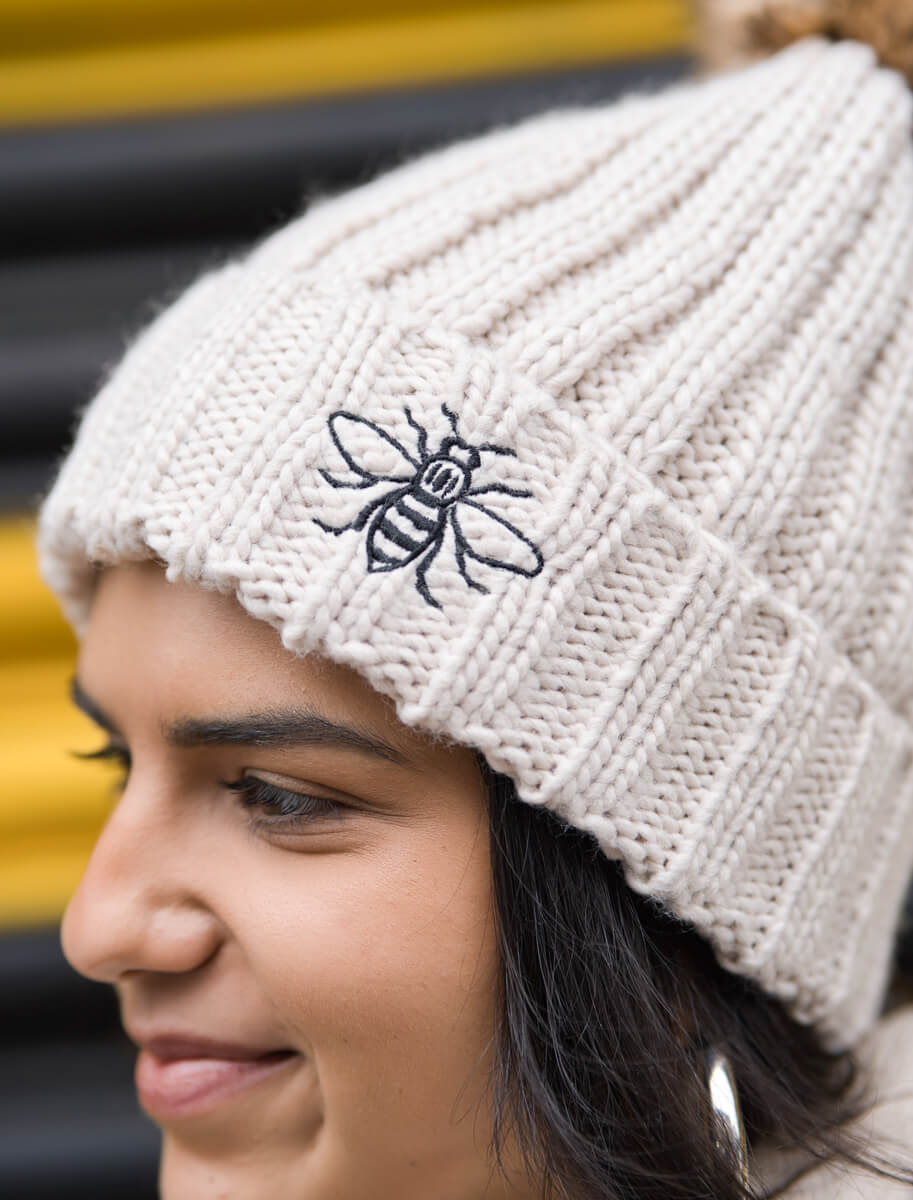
[186, 649]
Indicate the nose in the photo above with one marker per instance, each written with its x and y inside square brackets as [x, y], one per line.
[137, 906]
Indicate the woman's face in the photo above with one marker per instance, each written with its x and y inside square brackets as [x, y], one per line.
[293, 900]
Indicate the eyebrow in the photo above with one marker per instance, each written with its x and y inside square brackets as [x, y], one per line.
[284, 728]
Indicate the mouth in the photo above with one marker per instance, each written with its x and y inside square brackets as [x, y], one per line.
[182, 1078]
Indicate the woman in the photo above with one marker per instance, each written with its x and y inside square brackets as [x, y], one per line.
[497, 590]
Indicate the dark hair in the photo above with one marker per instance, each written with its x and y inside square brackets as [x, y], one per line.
[606, 1003]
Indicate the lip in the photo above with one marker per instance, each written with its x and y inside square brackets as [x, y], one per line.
[178, 1076]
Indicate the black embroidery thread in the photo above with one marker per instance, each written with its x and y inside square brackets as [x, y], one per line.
[409, 522]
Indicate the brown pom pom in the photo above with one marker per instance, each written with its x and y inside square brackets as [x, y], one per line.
[739, 31]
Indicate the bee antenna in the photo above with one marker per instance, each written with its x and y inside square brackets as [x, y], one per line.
[498, 449]
[451, 417]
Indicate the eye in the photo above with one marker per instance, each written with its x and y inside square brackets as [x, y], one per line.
[119, 755]
[278, 806]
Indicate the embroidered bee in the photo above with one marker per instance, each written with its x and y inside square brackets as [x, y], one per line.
[435, 492]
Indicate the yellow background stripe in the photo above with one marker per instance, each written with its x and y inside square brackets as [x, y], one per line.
[38, 876]
[51, 805]
[27, 26]
[298, 62]
[30, 620]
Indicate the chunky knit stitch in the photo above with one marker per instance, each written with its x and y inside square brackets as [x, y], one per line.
[589, 442]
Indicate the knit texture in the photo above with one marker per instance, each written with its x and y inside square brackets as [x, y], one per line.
[590, 443]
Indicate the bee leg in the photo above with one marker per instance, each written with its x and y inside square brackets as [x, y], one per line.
[421, 582]
[502, 489]
[421, 431]
[330, 528]
[461, 546]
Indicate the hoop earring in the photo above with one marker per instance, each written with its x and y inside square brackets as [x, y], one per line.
[729, 1132]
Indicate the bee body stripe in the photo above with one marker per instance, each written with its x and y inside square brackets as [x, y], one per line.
[403, 538]
[422, 521]
[380, 555]
[427, 499]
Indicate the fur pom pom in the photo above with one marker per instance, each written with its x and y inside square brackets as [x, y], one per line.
[738, 31]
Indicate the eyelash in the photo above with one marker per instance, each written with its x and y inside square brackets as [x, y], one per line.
[293, 807]
[252, 793]
[109, 753]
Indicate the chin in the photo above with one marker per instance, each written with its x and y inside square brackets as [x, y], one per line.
[187, 1175]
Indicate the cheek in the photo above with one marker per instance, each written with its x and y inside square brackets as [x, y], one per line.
[381, 963]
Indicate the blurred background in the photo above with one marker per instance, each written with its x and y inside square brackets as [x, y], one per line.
[140, 141]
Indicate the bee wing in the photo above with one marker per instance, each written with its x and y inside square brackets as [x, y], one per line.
[491, 539]
[369, 451]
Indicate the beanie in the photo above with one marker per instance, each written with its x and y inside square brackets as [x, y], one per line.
[589, 442]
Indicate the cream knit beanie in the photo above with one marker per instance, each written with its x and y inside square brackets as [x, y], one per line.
[590, 443]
